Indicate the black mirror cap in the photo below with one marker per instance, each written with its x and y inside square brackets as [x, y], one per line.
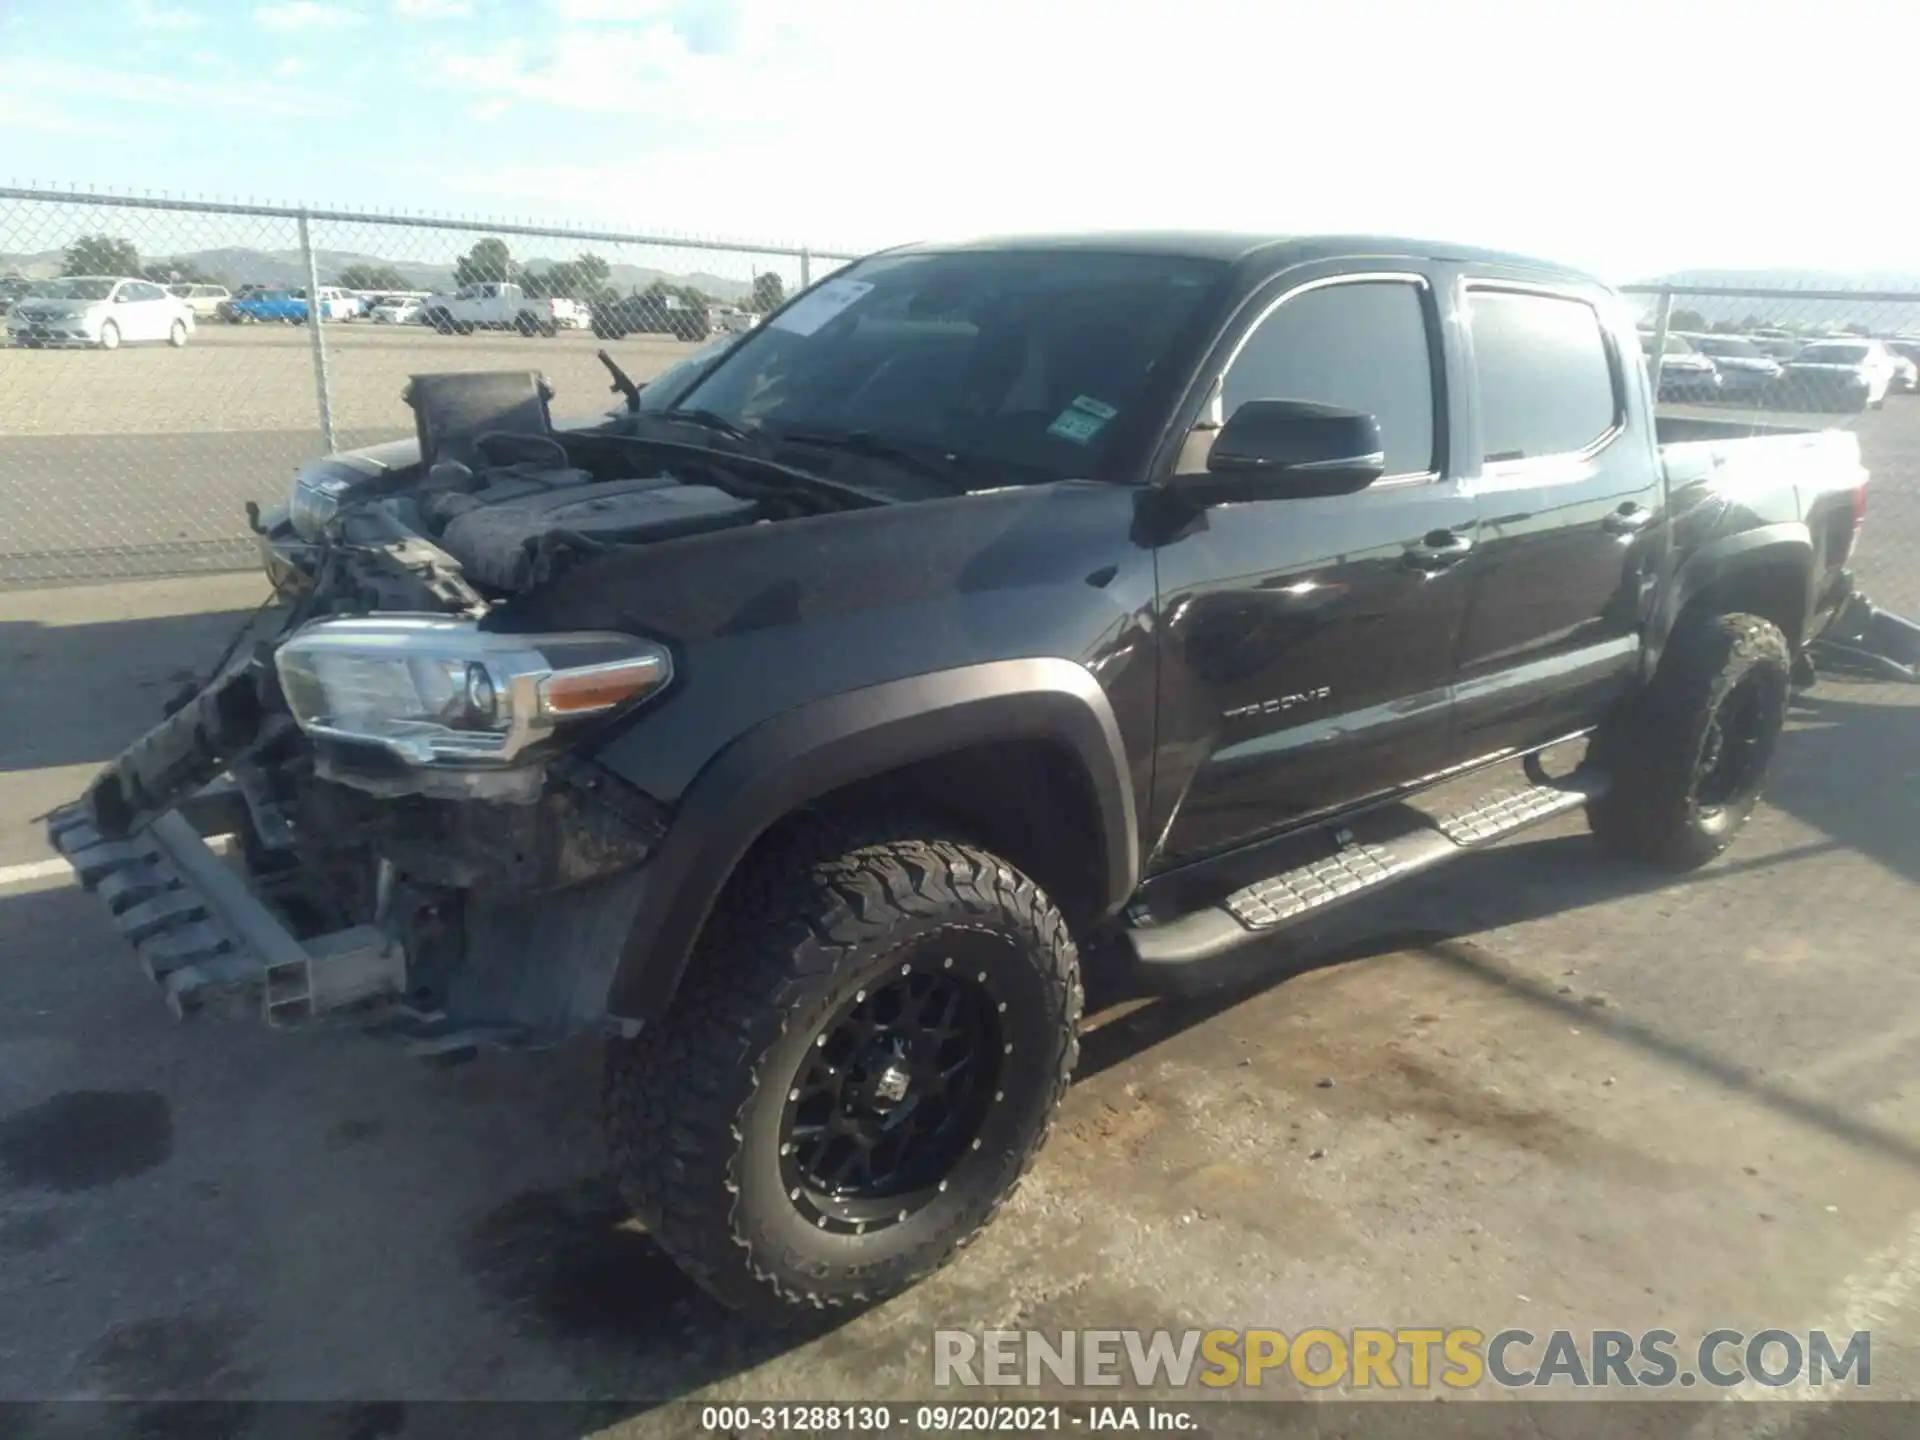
[1289, 449]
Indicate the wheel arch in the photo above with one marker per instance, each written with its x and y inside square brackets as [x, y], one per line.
[1766, 571]
[991, 748]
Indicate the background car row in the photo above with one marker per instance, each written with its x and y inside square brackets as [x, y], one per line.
[1833, 372]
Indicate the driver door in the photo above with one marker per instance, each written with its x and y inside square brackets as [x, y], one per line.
[1308, 644]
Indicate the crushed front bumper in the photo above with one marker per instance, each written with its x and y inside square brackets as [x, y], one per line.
[203, 936]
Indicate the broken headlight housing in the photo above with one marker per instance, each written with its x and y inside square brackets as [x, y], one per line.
[442, 692]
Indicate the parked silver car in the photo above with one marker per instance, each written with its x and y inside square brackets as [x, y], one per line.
[1746, 371]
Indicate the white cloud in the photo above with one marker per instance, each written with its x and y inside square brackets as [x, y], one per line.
[879, 120]
[289, 67]
[595, 12]
[307, 15]
[432, 9]
[151, 15]
[135, 93]
[49, 115]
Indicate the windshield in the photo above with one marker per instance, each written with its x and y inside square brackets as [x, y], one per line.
[1019, 358]
[1731, 348]
[664, 389]
[73, 289]
[1833, 354]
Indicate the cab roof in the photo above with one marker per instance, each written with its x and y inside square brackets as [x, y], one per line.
[1240, 248]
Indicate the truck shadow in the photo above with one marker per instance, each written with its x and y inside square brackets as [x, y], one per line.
[1833, 775]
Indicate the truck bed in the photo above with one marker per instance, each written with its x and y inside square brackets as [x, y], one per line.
[1728, 477]
[1745, 457]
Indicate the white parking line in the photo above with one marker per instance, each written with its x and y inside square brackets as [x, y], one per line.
[1874, 1295]
[38, 870]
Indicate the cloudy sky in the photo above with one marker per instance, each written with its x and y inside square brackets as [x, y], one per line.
[1631, 137]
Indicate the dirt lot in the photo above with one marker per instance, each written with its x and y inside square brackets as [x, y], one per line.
[241, 378]
[140, 462]
[1537, 1089]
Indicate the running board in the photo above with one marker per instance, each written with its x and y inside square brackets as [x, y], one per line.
[1375, 850]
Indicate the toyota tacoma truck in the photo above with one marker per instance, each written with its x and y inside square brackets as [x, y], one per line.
[800, 725]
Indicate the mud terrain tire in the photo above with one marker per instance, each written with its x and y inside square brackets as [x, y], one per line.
[831, 947]
[1690, 755]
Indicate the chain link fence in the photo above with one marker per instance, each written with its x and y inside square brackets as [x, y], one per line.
[140, 461]
[163, 368]
[1808, 355]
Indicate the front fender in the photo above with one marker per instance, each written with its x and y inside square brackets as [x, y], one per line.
[806, 752]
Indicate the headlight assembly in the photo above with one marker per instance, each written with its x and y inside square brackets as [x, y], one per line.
[441, 692]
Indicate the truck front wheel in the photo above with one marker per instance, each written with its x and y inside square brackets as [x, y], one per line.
[866, 1055]
[1690, 755]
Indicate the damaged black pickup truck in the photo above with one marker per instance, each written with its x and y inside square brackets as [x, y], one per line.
[801, 724]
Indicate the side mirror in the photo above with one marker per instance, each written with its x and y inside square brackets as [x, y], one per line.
[1286, 450]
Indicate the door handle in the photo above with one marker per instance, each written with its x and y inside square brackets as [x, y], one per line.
[1438, 549]
[1627, 519]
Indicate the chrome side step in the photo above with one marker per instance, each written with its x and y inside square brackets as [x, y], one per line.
[1375, 851]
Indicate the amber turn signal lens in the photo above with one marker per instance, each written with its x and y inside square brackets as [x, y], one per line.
[593, 688]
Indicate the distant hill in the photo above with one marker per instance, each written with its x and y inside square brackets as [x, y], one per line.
[239, 265]
[1779, 304]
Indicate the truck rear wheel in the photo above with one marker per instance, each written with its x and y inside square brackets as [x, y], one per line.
[1689, 757]
[866, 1056]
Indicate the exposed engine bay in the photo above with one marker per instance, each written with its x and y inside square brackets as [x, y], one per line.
[399, 769]
[492, 499]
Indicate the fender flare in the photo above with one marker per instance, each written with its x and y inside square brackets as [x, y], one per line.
[798, 755]
[1722, 558]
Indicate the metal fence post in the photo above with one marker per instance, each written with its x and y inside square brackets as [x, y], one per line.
[316, 333]
[806, 267]
[1662, 318]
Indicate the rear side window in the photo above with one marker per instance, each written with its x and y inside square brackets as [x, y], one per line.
[1546, 377]
[1363, 345]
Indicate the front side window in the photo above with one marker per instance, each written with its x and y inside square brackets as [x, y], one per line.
[1025, 360]
[1361, 345]
[1545, 374]
[81, 289]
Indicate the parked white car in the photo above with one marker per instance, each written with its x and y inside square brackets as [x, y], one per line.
[337, 304]
[495, 305]
[1846, 374]
[404, 310]
[203, 300]
[104, 310]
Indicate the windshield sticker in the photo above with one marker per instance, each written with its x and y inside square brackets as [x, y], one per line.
[1082, 420]
[816, 308]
